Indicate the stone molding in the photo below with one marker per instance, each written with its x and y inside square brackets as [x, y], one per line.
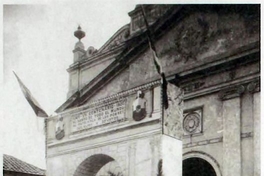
[79, 49]
[117, 39]
[96, 57]
[213, 140]
[113, 97]
[74, 137]
[221, 88]
[251, 84]
[204, 142]
[146, 134]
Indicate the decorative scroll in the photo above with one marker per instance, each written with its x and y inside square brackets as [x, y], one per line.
[101, 115]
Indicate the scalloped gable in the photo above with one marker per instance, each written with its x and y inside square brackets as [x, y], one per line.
[117, 39]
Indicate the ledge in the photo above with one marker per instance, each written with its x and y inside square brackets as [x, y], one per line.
[74, 138]
[146, 134]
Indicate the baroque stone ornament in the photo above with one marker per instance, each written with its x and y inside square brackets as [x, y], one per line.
[192, 122]
[79, 33]
[189, 40]
[60, 129]
[119, 39]
[174, 114]
[253, 86]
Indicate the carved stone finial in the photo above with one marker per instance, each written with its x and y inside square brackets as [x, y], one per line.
[79, 33]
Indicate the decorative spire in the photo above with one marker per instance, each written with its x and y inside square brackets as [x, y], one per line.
[79, 33]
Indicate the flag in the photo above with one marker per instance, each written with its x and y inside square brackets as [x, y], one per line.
[31, 100]
[157, 63]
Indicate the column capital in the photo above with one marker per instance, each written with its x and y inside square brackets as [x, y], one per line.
[237, 90]
[253, 86]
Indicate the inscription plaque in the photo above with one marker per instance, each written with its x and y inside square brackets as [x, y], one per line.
[99, 115]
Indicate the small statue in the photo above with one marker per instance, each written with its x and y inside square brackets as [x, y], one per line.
[139, 107]
[60, 128]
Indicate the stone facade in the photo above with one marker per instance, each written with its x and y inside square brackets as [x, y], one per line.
[211, 53]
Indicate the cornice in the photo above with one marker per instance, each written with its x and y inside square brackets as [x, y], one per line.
[146, 134]
[119, 32]
[112, 97]
[69, 101]
[99, 57]
[226, 90]
[233, 91]
[213, 141]
[229, 59]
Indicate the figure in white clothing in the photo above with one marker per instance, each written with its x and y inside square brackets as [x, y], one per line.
[60, 129]
[139, 107]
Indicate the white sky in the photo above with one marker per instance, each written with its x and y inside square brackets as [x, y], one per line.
[38, 42]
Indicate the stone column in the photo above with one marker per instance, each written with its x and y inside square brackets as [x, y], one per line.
[232, 130]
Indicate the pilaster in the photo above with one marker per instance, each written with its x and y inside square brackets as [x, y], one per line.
[254, 88]
[132, 158]
[231, 130]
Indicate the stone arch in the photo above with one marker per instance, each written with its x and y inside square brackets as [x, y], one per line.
[205, 158]
[93, 164]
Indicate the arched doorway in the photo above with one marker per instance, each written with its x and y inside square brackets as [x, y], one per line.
[198, 167]
[98, 165]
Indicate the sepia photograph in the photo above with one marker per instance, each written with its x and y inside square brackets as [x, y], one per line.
[130, 88]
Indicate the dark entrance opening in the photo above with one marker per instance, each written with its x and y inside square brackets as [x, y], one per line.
[197, 167]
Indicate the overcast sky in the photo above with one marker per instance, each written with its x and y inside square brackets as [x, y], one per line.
[38, 42]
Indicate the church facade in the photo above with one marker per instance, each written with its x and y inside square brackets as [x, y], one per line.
[114, 123]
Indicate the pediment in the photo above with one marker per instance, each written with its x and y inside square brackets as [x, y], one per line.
[186, 39]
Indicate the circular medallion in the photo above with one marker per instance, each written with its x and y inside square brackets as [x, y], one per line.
[191, 122]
